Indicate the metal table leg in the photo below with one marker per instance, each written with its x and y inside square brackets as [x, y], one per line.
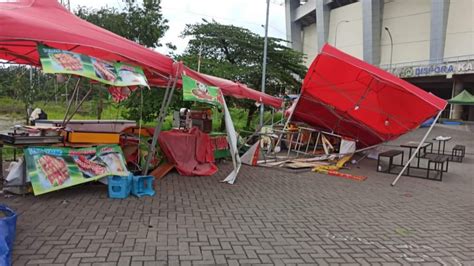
[23, 179]
[1, 163]
[408, 167]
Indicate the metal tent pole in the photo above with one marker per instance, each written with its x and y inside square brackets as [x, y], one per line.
[161, 117]
[417, 149]
[76, 90]
[77, 107]
[287, 121]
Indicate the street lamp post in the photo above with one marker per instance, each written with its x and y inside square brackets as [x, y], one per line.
[199, 58]
[264, 64]
[337, 27]
[391, 47]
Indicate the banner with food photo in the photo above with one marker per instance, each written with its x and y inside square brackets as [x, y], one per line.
[112, 73]
[194, 90]
[55, 168]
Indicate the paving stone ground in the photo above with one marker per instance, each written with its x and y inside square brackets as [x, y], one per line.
[268, 217]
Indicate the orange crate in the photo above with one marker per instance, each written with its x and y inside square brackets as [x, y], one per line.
[93, 137]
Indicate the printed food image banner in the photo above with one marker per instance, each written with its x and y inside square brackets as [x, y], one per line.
[194, 90]
[55, 168]
[111, 73]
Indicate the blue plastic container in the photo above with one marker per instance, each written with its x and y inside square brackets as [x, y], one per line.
[7, 234]
[452, 123]
[428, 122]
[119, 186]
[143, 186]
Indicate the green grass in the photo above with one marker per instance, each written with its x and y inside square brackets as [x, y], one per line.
[8, 153]
[15, 109]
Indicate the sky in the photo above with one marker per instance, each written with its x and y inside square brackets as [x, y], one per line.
[248, 14]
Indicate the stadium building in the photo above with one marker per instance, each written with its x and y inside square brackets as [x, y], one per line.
[430, 43]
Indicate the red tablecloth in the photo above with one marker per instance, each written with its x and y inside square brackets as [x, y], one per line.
[190, 152]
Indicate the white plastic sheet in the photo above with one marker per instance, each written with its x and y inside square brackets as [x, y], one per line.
[232, 140]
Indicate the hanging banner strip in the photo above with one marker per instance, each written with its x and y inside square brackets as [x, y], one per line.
[112, 73]
[199, 92]
[196, 91]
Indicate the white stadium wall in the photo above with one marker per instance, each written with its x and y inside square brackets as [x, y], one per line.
[409, 23]
[310, 43]
[349, 35]
[460, 29]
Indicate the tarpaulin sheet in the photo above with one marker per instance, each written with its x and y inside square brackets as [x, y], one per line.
[190, 152]
[349, 97]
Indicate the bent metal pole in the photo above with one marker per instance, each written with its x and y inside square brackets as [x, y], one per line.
[417, 149]
[161, 117]
[287, 123]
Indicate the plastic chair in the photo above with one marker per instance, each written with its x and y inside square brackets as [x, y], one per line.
[119, 186]
[143, 186]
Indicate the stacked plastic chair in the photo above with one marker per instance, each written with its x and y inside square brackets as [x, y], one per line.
[142, 186]
[119, 186]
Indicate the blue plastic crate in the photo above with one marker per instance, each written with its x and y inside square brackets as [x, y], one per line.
[143, 186]
[119, 186]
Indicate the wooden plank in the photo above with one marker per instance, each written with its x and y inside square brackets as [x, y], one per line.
[298, 165]
[162, 170]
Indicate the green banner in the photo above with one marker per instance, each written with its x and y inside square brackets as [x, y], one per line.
[111, 73]
[194, 90]
[55, 168]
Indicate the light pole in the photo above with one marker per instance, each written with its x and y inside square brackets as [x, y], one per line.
[264, 64]
[337, 27]
[391, 47]
[199, 57]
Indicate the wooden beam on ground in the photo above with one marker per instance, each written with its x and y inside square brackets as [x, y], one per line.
[162, 170]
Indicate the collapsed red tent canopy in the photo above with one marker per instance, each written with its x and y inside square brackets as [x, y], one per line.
[230, 88]
[352, 98]
[25, 23]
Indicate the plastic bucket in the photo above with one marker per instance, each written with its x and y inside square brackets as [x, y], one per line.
[7, 234]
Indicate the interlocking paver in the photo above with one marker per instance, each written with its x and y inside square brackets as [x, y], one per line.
[267, 217]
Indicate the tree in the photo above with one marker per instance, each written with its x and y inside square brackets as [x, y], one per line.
[146, 103]
[236, 53]
[140, 22]
[143, 24]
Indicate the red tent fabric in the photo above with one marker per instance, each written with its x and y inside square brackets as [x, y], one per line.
[230, 88]
[190, 152]
[25, 23]
[352, 98]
